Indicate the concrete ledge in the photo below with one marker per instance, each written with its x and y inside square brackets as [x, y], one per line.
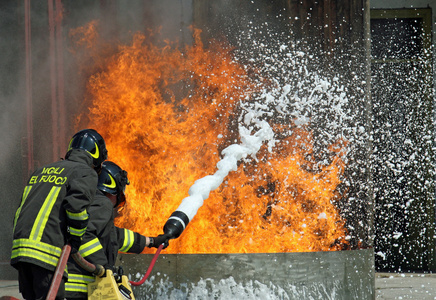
[9, 288]
[405, 286]
[317, 275]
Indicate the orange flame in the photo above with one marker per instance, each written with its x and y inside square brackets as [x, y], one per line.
[166, 114]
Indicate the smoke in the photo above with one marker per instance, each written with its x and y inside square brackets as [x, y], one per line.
[11, 85]
[12, 123]
[118, 20]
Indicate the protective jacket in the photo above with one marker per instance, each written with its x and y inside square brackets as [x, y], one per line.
[54, 205]
[101, 244]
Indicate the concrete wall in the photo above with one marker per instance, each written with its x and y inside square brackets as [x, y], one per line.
[311, 275]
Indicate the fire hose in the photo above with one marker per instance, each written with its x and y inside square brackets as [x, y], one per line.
[95, 269]
[54, 287]
[150, 267]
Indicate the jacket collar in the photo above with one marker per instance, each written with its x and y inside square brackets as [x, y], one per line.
[79, 155]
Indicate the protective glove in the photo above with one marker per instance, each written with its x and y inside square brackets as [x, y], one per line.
[75, 242]
[160, 239]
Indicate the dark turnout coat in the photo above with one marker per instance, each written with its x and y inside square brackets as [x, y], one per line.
[55, 200]
[101, 244]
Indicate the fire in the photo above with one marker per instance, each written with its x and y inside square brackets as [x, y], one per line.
[166, 113]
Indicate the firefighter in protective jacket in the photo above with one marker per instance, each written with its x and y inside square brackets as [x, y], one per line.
[103, 240]
[54, 211]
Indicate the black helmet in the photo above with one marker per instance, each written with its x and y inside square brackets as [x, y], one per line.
[92, 142]
[113, 180]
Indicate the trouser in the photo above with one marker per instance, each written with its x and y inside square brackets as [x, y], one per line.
[34, 282]
[76, 288]
[75, 295]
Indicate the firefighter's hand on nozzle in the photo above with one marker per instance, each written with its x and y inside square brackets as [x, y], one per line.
[160, 239]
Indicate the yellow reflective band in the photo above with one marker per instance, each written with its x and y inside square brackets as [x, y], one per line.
[129, 238]
[78, 283]
[77, 232]
[90, 247]
[113, 184]
[97, 153]
[44, 213]
[80, 278]
[40, 246]
[26, 191]
[23, 199]
[32, 253]
[80, 216]
[75, 286]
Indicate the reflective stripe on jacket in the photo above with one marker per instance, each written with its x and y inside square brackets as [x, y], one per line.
[55, 200]
[102, 241]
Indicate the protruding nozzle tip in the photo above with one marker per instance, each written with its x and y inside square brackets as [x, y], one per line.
[176, 224]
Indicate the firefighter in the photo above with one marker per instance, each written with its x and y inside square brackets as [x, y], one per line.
[103, 240]
[54, 211]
